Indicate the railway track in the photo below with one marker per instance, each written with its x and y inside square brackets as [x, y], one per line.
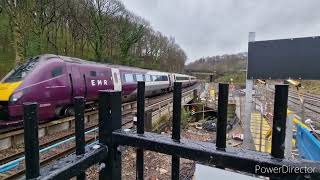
[15, 174]
[42, 146]
[155, 101]
[311, 103]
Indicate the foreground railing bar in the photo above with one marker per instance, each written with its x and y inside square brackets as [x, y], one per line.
[205, 153]
[71, 165]
[140, 129]
[31, 140]
[176, 127]
[222, 116]
[110, 120]
[79, 108]
[279, 121]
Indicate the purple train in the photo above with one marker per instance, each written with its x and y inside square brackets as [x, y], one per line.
[53, 81]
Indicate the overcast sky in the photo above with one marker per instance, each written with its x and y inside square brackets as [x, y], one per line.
[213, 27]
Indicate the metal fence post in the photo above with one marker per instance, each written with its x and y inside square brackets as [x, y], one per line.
[211, 78]
[140, 128]
[110, 120]
[79, 107]
[279, 121]
[148, 120]
[248, 104]
[176, 124]
[289, 136]
[31, 140]
[222, 116]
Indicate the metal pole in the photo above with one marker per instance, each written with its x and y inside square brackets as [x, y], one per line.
[31, 140]
[140, 107]
[289, 136]
[302, 101]
[109, 121]
[148, 120]
[177, 96]
[211, 78]
[279, 121]
[176, 123]
[79, 107]
[248, 104]
[261, 121]
[203, 111]
[140, 129]
[222, 116]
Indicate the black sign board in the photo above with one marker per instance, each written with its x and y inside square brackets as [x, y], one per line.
[297, 58]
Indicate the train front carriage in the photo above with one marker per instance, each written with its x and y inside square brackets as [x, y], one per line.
[41, 80]
[52, 81]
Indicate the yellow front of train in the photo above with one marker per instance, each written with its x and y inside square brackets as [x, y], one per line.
[7, 89]
[9, 85]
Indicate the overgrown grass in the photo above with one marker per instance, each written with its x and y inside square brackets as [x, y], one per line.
[185, 118]
[156, 127]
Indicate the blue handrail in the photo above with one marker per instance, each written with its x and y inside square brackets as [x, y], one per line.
[308, 145]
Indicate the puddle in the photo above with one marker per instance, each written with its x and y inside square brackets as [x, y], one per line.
[206, 173]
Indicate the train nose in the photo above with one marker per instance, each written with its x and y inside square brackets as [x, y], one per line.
[6, 90]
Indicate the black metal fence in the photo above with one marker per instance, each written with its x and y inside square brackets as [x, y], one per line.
[111, 136]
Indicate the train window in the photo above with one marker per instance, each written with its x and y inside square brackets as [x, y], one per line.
[155, 78]
[139, 77]
[181, 78]
[56, 71]
[134, 78]
[128, 78]
[22, 71]
[148, 78]
[164, 78]
[160, 78]
[93, 73]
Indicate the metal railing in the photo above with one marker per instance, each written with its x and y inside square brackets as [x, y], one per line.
[111, 136]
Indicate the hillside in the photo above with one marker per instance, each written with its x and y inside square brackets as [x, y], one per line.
[220, 64]
[226, 67]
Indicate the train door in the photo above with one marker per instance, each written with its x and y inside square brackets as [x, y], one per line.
[78, 87]
[170, 82]
[116, 79]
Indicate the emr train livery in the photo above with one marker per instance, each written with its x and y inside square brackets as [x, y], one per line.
[52, 81]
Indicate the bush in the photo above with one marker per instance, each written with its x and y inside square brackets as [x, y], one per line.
[185, 118]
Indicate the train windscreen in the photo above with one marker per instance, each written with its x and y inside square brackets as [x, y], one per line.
[21, 72]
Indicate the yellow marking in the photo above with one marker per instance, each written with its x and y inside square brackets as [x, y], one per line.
[6, 90]
[297, 121]
[260, 129]
[212, 93]
[266, 131]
